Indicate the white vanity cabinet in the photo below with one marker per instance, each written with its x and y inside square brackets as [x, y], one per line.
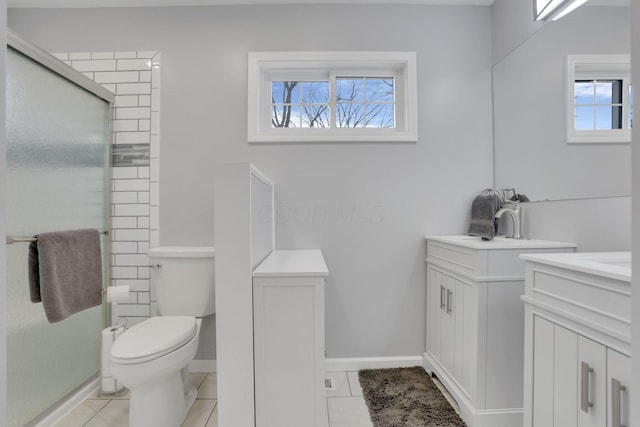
[288, 317]
[475, 323]
[577, 340]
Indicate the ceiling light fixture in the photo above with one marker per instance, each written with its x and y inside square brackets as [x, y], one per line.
[554, 9]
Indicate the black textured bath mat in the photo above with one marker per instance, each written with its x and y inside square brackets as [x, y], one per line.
[406, 397]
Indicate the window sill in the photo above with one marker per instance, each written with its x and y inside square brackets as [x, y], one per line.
[602, 137]
[290, 136]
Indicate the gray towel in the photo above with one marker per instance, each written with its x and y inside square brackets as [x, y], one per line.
[65, 272]
[483, 211]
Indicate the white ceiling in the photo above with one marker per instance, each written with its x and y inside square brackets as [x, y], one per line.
[150, 3]
[142, 3]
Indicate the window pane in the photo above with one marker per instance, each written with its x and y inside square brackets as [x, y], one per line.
[604, 93]
[380, 115]
[315, 116]
[296, 116]
[277, 116]
[299, 104]
[584, 92]
[349, 89]
[608, 118]
[294, 89]
[285, 92]
[285, 116]
[315, 92]
[379, 90]
[277, 91]
[584, 117]
[349, 115]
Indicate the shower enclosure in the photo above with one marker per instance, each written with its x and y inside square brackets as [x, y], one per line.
[58, 156]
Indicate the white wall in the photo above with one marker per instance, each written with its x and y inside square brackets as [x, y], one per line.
[511, 24]
[3, 275]
[635, 159]
[367, 206]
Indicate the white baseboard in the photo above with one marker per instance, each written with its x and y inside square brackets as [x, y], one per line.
[56, 413]
[357, 363]
[203, 366]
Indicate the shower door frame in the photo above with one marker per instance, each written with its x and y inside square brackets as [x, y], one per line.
[44, 58]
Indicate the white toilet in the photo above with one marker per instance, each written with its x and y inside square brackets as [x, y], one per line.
[152, 358]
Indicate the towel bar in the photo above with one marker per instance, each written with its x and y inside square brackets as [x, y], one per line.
[11, 240]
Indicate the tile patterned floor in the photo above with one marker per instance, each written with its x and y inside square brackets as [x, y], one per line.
[346, 406]
[107, 412]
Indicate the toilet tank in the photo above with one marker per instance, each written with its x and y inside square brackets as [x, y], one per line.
[183, 279]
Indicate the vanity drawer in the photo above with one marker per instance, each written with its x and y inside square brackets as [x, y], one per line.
[458, 258]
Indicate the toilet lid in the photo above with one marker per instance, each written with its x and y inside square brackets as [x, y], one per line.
[153, 338]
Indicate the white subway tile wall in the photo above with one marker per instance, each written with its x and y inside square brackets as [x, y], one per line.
[134, 77]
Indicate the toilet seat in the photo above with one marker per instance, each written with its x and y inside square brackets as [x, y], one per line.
[153, 338]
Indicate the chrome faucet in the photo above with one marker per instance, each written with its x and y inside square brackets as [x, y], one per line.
[515, 217]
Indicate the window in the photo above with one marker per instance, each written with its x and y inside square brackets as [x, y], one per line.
[599, 103]
[332, 96]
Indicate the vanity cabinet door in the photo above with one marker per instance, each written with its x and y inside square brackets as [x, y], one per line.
[448, 325]
[543, 379]
[445, 327]
[434, 304]
[618, 389]
[565, 372]
[555, 402]
[577, 382]
[288, 316]
[592, 387]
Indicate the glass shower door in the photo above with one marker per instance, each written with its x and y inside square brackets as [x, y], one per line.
[58, 139]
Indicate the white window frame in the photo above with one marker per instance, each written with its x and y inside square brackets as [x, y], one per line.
[597, 67]
[266, 67]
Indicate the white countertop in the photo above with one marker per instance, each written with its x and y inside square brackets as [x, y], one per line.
[499, 242]
[614, 265]
[295, 263]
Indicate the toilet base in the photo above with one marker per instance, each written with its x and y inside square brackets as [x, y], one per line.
[190, 392]
[161, 394]
[162, 403]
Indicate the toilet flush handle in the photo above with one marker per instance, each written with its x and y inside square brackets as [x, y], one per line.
[155, 265]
